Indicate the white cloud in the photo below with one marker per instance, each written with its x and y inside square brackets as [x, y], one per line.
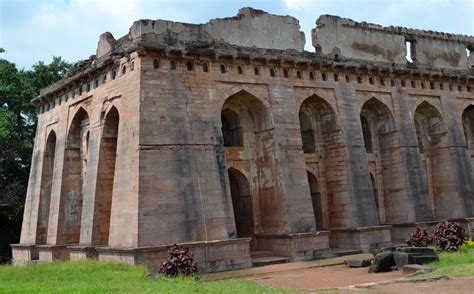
[71, 29]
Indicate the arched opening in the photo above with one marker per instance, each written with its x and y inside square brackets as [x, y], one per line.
[378, 129]
[307, 133]
[242, 204]
[468, 124]
[74, 174]
[45, 192]
[104, 192]
[367, 134]
[321, 142]
[231, 129]
[376, 193]
[317, 122]
[430, 132]
[246, 124]
[316, 200]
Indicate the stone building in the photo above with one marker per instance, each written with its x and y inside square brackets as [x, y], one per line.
[229, 138]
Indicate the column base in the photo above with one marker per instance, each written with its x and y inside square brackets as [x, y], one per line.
[299, 246]
[210, 256]
[24, 253]
[363, 238]
[81, 252]
[48, 253]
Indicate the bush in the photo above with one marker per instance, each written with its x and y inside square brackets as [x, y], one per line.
[420, 238]
[448, 236]
[180, 262]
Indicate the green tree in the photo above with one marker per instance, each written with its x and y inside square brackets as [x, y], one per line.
[17, 130]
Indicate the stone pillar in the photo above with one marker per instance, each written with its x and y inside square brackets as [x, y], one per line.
[89, 191]
[360, 209]
[291, 161]
[416, 205]
[457, 201]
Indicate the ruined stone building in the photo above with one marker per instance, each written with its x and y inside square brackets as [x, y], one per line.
[229, 138]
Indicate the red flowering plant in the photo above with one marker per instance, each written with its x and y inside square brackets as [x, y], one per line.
[180, 262]
[420, 238]
[448, 236]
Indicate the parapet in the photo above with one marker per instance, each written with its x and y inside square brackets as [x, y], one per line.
[346, 38]
[249, 28]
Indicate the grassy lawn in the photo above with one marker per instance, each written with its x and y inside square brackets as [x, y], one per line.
[95, 277]
[454, 264]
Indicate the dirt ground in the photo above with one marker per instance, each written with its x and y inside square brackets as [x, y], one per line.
[340, 279]
[337, 276]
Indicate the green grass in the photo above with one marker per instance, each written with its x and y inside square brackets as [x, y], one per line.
[107, 277]
[454, 264]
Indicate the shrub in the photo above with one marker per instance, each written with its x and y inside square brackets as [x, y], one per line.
[448, 236]
[469, 244]
[180, 262]
[420, 238]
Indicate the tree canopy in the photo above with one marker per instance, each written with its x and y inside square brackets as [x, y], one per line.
[17, 131]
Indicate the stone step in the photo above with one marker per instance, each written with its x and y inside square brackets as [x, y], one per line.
[261, 253]
[336, 252]
[268, 260]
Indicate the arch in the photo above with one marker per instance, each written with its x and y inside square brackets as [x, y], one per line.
[241, 90]
[317, 120]
[376, 193]
[431, 136]
[322, 140]
[74, 174]
[253, 113]
[380, 138]
[429, 126]
[242, 204]
[468, 126]
[316, 199]
[45, 190]
[106, 175]
[231, 129]
[366, 133]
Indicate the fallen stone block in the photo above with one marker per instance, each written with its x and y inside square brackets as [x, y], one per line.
[414, 255]
[358, 262]
[383, 262]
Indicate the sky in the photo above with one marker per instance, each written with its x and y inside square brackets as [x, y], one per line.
[34, 30]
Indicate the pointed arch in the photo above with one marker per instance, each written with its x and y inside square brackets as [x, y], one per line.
[45, 190]
[468, 126]
[380, 139]
[74, 175]
[431, 138]
[106, 175]
[317, 120]
[429, 126]
[242, 116]
[241, 203]
[315, 191]
[322, 142]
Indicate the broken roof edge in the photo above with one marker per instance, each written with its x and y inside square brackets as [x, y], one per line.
[399, 30]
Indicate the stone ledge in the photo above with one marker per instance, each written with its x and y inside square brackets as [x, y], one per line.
[294, 235]
[361, 229]
[210, 256]
[167, 246]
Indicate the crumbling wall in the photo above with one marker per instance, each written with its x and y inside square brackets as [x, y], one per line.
[335, 35]
[344, 37]
[249, 28]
